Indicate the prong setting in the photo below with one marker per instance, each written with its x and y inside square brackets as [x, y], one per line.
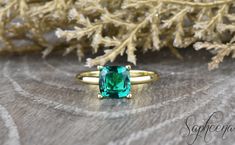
[99, 67]
[128, 67]
[129, 96]
[109, 79]
[100, 96]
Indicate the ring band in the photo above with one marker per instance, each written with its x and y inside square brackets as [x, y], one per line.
[116, 81]
[136, 77]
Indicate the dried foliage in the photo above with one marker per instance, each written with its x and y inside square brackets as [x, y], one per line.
[118, 27]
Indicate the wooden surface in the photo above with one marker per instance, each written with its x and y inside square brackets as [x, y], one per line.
[42, 104]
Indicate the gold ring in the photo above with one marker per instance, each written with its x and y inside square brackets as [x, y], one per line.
[116, 81]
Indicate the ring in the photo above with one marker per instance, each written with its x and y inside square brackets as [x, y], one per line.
[116, 81]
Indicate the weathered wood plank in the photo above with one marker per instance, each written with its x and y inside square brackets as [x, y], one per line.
[41, 103]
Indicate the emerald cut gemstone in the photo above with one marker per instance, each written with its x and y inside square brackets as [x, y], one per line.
[114, 82]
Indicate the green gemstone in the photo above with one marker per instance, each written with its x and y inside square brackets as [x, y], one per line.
[114, 82]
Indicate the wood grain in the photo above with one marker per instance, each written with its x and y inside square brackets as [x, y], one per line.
[42, 104]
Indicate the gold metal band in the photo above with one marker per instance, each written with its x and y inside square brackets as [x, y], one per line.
[136, 77]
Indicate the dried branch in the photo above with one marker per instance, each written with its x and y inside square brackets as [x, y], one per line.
[118, 27]
[221, 50]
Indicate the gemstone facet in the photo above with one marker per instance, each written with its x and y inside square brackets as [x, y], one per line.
[114, 82]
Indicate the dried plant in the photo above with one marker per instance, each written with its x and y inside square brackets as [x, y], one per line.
[118, 27]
